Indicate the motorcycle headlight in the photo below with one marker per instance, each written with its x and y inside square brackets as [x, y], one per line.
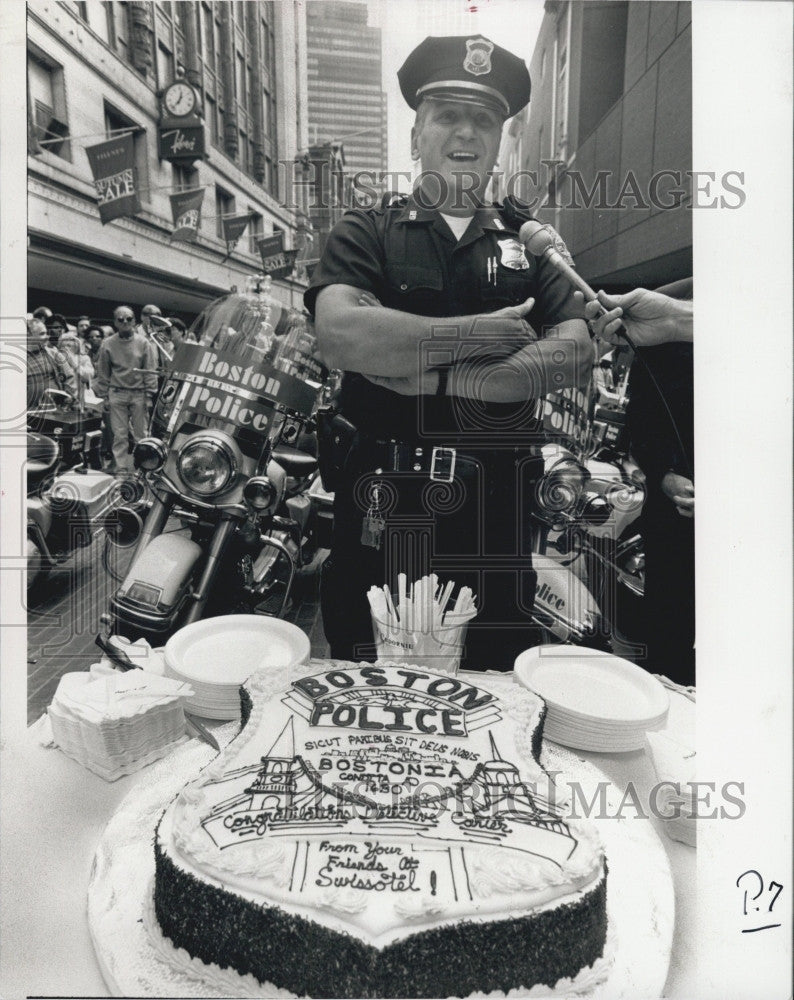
[206, 465]
[149, 454]
[259, 493]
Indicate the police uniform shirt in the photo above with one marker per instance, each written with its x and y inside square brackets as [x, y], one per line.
[408, 257]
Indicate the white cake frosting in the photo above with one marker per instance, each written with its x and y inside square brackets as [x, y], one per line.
[379, 802]
[329, 857]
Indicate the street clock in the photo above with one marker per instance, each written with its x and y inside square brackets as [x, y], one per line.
[180, 99]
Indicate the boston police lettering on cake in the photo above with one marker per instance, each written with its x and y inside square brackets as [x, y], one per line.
[365, 698]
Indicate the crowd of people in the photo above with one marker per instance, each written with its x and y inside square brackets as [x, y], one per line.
[114, 368]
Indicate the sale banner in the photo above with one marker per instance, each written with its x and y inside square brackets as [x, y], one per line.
[113, 168]
[186, 211]
[276, 261]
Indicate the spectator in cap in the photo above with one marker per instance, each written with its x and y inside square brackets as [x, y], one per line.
[83, 324]
[145, 326]
[160, 338]
[178, 333]
[448, 334]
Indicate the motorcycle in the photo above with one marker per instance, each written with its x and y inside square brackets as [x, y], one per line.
[237, 513]
[73, 425]
[588, 551]
[66, 510]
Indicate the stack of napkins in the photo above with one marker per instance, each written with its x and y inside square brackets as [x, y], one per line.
[117, 723]
[674, 764]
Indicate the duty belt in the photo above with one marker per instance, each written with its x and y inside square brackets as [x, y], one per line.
[397, 456]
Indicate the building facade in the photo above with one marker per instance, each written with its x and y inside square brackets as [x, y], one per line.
[604, 149]
[97, 69]
[346, 102]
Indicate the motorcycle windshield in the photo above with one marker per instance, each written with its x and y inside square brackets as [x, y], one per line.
[253, 366]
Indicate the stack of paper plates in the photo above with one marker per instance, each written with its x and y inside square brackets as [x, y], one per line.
[216, 655]
[596, 701]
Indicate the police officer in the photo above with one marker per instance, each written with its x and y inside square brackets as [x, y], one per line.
[448, 333]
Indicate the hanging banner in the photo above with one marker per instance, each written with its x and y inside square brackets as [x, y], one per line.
[233, 228]
[276, 261]
[186, 210]
[113, 167]
[280, 265]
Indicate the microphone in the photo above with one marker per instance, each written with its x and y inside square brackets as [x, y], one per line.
[540, 243]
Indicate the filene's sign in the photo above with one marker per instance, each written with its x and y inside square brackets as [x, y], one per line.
[181, 143]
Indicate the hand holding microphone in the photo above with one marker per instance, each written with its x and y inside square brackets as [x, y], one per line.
[650, 317]
[540, 243]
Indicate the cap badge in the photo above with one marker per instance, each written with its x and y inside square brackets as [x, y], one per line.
[478, 56]
[513, 255]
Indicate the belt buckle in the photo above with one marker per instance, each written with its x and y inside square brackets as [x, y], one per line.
[442, 465]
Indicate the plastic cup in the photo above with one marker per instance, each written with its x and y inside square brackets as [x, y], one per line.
[439, 650]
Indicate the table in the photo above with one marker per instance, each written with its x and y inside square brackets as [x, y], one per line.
[53, 812]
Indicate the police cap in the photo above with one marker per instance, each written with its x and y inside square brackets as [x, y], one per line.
[464, 68]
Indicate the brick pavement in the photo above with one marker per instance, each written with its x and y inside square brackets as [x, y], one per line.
[63, 620]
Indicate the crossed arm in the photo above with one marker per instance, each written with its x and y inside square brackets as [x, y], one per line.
[496, 357]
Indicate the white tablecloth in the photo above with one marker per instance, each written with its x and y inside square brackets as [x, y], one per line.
[53, 812]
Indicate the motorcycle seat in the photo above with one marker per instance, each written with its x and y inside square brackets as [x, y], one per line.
[295, 463]
[42, 458]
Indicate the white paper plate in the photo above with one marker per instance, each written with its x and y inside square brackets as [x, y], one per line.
[228, 649]
[592, 685]
[586, 741]
[217, 655]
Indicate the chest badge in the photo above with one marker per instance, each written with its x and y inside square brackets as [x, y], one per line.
[513, 255]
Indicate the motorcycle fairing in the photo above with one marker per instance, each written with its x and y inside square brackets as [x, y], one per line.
[159, 575]
[561, 599]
